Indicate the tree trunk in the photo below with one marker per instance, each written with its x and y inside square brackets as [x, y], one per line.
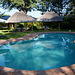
[26, 12]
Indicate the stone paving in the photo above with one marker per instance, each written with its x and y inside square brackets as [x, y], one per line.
[68, 70]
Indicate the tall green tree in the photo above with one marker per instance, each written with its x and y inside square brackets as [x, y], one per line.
[44, 5]
[53, 5]
[21, 5]
[71, 8]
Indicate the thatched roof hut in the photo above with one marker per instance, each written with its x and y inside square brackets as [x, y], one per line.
[49, 17]
[19, 17]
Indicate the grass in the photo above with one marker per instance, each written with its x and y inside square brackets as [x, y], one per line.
[19, 34]
[15, 34]
[12, 35]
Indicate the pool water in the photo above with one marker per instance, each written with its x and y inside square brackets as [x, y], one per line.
[47, 51]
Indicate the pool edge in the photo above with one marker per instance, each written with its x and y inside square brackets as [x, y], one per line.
[68, 70]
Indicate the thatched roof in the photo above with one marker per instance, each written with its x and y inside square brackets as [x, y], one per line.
[2, 21]
[49, 17]
[19, 17]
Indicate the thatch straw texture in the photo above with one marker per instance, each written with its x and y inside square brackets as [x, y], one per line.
[49, 17]
[20, 17]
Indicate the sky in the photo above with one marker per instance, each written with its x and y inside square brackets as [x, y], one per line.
[35, 14]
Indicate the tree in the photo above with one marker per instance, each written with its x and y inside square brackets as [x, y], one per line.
[71, 8]
[58, 6]
[21, 5]
[44, 5]
[61, 7]
[1, 14]
[53, 5]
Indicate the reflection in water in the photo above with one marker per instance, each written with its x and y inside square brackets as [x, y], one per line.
[5, 49]
[47, 52]
[2, 60]
[66, 43]
[41, 36]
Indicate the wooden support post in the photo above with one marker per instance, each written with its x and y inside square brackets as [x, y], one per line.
[32, 26]
[8, 27]
[14, 25]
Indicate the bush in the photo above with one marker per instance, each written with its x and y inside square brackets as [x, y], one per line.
[20, 26]
[34, 28]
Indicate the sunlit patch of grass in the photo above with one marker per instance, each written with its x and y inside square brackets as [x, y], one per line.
[2, 32]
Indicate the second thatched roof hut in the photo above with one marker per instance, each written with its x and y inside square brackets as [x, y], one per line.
[49, 17]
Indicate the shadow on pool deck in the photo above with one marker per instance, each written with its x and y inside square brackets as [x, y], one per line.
[68, 70]
[4, 71]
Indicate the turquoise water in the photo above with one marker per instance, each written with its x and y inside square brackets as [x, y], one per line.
[47, 51]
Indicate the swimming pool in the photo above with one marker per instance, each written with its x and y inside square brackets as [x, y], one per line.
[47, 51]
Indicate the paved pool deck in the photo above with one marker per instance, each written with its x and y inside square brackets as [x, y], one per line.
[68, 70]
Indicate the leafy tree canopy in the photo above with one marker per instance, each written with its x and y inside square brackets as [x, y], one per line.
[42, 5]
[53, 5]
[21, 5]
[71, 8]
[57, 6]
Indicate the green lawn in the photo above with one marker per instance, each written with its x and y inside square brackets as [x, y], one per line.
[20, 34]
[15, 34]
[12, 35]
